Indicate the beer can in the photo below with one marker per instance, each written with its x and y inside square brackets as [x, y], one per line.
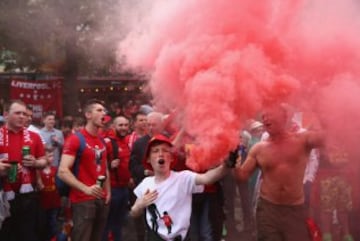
[12, 172]
[100, 180]
[25, 150]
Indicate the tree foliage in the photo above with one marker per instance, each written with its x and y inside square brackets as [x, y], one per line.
[65, 37]
[40, 32]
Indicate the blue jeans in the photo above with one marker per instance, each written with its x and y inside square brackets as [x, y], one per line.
[118, 213]
[51, 223]
[248, 214]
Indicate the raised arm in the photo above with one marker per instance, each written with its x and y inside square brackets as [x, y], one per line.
[212, 175]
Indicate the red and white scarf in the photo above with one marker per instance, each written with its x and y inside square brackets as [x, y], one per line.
[4, 137]
[24, 176]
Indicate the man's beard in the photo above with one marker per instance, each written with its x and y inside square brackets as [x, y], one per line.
[120, 134]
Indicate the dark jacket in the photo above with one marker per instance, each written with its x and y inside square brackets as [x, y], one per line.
[136, 157]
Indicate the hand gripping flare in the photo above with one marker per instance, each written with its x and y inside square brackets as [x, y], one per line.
[230, 162]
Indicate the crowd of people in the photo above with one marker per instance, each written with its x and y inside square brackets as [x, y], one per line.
[131, 165]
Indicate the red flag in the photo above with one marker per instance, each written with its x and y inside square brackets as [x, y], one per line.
[41, 95]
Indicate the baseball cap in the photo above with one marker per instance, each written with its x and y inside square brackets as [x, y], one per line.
[156, 139]
[255, 124]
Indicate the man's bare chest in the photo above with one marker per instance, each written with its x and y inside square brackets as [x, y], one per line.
[281, 155]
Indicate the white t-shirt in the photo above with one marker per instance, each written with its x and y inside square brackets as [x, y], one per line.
[174, 197]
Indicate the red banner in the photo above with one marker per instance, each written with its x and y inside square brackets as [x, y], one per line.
[42, 95]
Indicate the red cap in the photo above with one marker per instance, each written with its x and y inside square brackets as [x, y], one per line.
[155, 139]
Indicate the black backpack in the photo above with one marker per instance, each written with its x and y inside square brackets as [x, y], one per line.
[115, 148]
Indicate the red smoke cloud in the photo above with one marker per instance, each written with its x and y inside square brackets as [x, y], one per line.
[219, 62]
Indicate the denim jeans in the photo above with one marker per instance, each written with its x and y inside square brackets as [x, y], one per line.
[118, 213]
[248, 214]
[51, 223]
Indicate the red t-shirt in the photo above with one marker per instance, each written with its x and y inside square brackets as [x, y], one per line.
[92, 162]
[120, 176]
[12, 143]
[49, 196]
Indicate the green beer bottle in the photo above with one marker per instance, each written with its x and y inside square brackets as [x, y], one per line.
[12, 172]
[25, 150]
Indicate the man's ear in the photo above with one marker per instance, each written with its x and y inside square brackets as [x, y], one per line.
[87, 115]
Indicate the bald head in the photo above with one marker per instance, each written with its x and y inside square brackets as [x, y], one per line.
[275, 119]
[121, 125]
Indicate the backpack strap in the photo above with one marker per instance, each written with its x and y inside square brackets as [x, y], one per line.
[63, 188]
[79, 152]
[115, 149]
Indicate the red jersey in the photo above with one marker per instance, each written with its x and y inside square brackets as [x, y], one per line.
[49, 195]
[12, 143]
[92, 162]
[119, 177]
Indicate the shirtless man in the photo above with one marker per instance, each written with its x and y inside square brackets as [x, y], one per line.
[282, 158]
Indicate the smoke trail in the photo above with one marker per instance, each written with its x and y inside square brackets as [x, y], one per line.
[218, 63]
